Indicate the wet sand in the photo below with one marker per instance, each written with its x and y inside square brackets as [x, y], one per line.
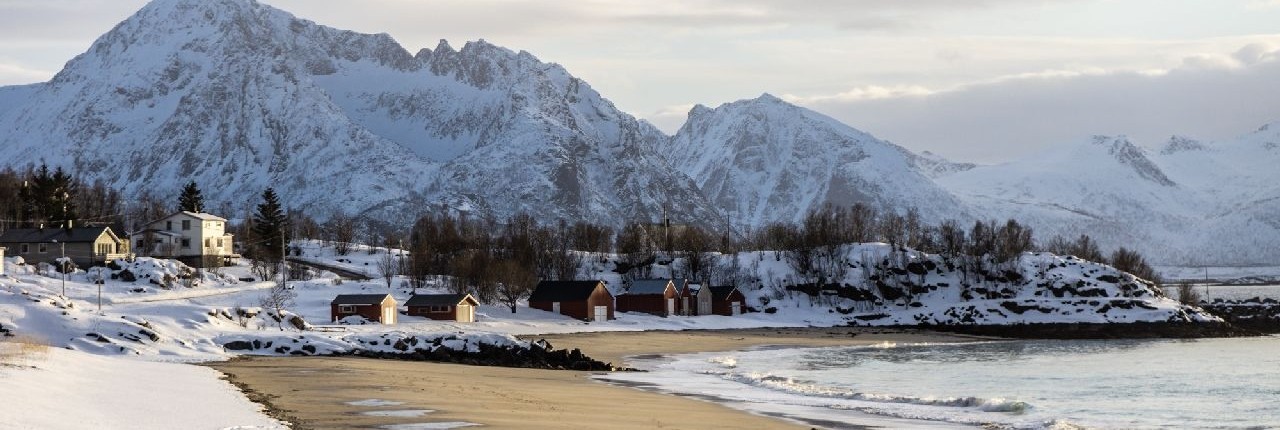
[313, 392]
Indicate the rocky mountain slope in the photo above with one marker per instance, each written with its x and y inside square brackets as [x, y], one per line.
[765, 160]
[240, 96]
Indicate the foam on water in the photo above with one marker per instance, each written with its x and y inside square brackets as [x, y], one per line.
[1061, 385]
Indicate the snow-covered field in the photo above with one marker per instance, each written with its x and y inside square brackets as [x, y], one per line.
[55, 388]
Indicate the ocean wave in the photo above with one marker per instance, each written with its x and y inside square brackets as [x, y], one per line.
[725, 361]
[789, 385]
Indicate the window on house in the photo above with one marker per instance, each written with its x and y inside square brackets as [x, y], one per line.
[168, 225]
[346, 309]
[207, 242]
[186, 243]
[219, 242]
[186, 224]
[44, 248]
[439, 309]
[140, 244]
[26, 248]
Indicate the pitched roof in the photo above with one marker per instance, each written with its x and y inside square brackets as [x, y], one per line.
[436, 299]
[201, 215]
[359, 299]
[721, 293]
[648, 286]
[563, 291]
[49, 235]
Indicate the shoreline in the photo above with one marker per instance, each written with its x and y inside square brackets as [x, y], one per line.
[316, 392]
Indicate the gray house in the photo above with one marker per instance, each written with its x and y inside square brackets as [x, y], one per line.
[85, 246]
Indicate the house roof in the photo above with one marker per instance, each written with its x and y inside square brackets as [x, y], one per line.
[722, 293]
[204, 216]
[648, 286]
[562, 291]
[49, 235]
[359, 299]
[438, 299]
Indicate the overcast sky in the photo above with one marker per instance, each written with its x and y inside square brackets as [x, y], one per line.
[982, 80]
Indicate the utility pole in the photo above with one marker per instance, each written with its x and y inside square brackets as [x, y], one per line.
[62, 264]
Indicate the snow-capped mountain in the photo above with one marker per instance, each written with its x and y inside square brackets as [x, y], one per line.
[764, 160]
[239, 96]
[1191, 203]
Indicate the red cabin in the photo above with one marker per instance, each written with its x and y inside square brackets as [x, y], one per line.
[373, 307]
[727, 301]
[445, 307]
[584, 300]
[651, 296]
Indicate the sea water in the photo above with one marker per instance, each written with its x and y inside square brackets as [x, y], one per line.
[1123, 384]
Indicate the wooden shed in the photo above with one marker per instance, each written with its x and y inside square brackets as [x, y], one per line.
[373, 307]
[693, 302]
[727, 301]
[651, 296]
[584, 300]
[444, 307]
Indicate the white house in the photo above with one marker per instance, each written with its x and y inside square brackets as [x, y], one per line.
[197, 239]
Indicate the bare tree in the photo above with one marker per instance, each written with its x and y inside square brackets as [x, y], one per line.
[514, 283]
[279, 298]
[1187, 294]
[388, 266]
[1131, 261]
[695, 245]
[341, 230]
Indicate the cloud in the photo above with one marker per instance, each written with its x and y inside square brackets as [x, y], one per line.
[12, 74]
[1207, 97]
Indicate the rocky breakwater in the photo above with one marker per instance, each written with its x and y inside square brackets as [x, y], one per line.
[1256, 313]
[477, 350]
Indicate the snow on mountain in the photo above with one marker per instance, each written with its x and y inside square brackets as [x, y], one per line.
[764, 160]
[239, 96]
[936, 166]
[1192, 203]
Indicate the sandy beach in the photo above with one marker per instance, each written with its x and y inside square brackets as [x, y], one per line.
[318, 392]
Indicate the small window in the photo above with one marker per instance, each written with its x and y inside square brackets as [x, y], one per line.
[186, 224]
[346, 309]
[186, 243]
[168, 225]
[140, 244]
[219, 242]
[26, 248]
[207, 242]
[439, 309]
[44, 248]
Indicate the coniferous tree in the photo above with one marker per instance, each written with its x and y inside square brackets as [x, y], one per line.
[270, 225]
[191, 200]
[49, 198]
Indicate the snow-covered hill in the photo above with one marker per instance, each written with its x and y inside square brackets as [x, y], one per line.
[765, 160]
[1190, 203]
[239, 96]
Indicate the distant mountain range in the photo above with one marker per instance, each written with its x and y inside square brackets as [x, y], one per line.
[239, 96]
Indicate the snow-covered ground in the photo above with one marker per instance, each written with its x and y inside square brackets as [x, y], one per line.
[55, 388]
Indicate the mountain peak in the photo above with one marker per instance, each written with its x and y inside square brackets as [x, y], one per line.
[1178, 144]
[1133, 156]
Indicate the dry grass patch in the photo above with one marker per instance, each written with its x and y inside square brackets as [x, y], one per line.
[21, 351]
